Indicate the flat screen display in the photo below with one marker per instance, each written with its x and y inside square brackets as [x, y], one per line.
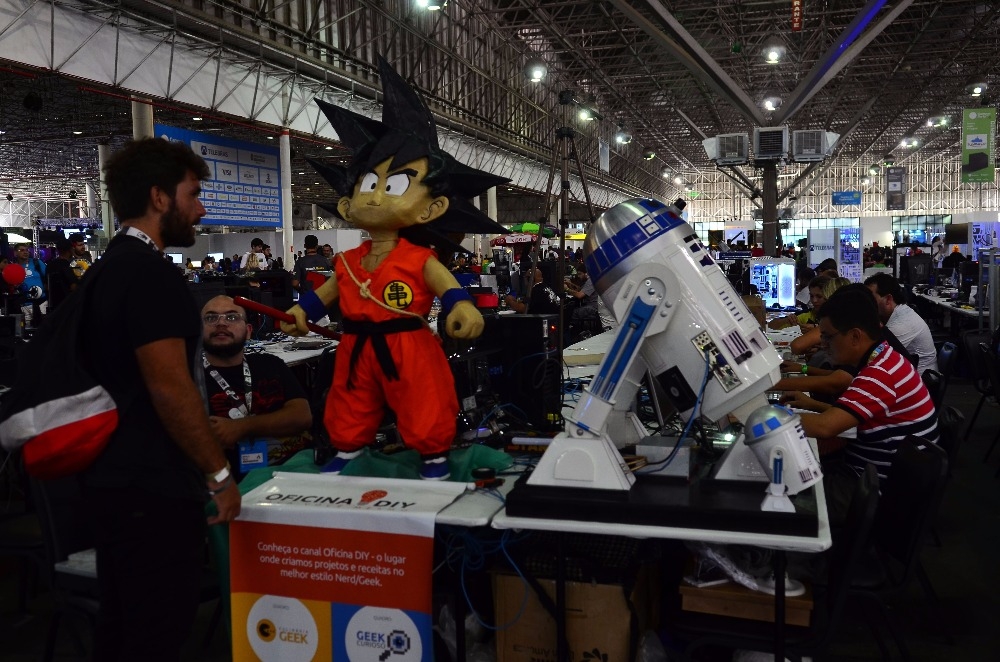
[176, 258]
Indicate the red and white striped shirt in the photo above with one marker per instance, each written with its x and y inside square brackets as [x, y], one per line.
[890, 402]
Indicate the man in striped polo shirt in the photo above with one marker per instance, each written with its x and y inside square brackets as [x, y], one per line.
[886, 400]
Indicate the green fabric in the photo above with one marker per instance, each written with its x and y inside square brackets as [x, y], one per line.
[370, 463]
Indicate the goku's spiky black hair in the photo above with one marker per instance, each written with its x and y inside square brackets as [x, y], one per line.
[406, 133]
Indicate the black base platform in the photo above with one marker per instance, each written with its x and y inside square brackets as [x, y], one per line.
[703, 503]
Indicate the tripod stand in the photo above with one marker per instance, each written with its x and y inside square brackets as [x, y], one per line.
[564, 149]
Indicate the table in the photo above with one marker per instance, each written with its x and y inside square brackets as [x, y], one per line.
[473, 508]
[298, 351]
[778, 542]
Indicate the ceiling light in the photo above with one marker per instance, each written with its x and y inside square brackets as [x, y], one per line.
[9, 197]
[535, 69]
[666, 173]
[678, 180]
[909, 142]
[865, 181]
[623, 137]
[78, 133]
[975, 89]
[329, 147]
[888, 160]
[649, 155]
[874, 169]
[938, 121]
[195, 119]
[586, 114]
[773, 50]
[270, 137]
[771, 103]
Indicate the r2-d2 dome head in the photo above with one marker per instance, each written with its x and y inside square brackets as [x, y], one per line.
[707, 316]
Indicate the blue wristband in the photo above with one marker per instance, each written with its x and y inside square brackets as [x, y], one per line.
[453, 296]
[313, 305]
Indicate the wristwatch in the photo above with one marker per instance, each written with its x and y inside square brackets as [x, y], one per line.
[220, 475]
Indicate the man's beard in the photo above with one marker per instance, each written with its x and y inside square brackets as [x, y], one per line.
[224, 348]
[173, 230]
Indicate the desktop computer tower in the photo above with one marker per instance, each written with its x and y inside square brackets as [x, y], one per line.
[513, 364]
[526, 373]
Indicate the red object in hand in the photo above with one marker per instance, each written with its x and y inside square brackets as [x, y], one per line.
[13, 274]
[282, 316]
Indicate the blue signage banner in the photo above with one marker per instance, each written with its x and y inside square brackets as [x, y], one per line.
[847, 197]
[244, 184]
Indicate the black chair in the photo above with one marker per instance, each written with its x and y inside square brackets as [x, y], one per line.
[21, 534]
[977, 370]
[910, 499]
[935, 386]
[829, 599]
[71, 561]
[991, 361]
[73, 583]
[946, 356]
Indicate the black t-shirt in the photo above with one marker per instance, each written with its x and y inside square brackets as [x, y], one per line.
[308, 262]
[61, 279]
[543, 301]
[272, 383]
[139, 298]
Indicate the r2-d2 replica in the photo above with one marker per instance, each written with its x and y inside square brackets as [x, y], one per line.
[680, 319]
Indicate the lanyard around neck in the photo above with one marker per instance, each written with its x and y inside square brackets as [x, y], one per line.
[244, 410]
[131, 231]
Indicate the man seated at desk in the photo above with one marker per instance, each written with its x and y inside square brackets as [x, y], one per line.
[886, 400]
[257, 408]
[542, 301]
[903, 321]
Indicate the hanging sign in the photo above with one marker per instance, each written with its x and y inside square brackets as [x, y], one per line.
[244, 182]
[895, 188]
[796, 15]
[847, 198]
[978, 140]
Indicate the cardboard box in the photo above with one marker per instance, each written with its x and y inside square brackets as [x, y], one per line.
[598, 616]
[738, 601]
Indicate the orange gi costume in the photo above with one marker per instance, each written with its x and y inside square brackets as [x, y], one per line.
[421, 385]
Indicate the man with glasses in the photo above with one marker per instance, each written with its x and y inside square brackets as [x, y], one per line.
[886, 400]
[32, 291]
[257, 408]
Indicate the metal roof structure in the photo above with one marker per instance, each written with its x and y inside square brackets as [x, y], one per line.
[669, 73]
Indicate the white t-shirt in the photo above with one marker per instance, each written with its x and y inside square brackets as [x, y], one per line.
[912, 331]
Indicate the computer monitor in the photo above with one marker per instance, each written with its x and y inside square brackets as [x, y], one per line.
[915, 269]
[969, 272]
[176, 258]
[217, 256]
[195, 264]
[775, 283]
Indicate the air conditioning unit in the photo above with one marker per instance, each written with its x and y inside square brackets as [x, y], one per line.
[813, 145]
[770, 143]
[728, 148]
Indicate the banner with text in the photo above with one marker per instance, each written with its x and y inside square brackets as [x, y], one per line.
[335, 568]
[895, 188]
[979, 135]
[846, 198]
[849, 261]
[244, 182]
[822, 246]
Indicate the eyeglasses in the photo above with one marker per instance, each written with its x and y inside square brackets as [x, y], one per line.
[216, 318]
